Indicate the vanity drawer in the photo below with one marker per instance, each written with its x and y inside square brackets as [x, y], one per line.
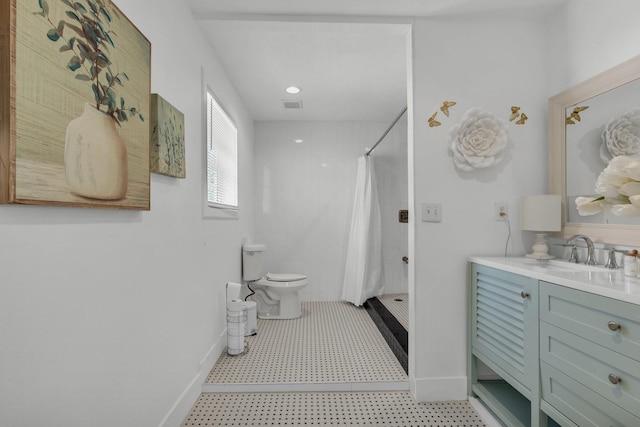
[611, 323]
[594, 366]
[580, 404]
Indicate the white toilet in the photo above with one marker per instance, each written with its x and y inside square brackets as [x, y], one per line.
[276, 294]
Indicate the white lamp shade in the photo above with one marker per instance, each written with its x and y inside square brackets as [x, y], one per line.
[540, 212]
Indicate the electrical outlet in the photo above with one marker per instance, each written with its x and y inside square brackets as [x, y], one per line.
[501, 210]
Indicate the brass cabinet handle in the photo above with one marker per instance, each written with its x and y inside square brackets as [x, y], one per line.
[614, 379]
[614, 326]
[524, 294]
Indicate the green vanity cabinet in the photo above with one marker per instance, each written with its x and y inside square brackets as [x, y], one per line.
[504, 336]
[566, 346]
[590, 358]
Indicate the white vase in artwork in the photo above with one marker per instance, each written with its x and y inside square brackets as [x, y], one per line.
[95, 157]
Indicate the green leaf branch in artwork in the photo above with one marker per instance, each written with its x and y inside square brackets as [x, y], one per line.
[86, 35]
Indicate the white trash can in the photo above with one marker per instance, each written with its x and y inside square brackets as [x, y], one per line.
[236, 319]
[251, 327]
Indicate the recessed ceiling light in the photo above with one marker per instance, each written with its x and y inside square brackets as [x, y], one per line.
[293, 90]
[298, 141]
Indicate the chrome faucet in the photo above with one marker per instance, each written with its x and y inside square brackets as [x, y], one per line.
[590, 256]
[574, 255]
[611, 259]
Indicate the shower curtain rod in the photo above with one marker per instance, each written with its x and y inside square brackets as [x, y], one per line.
[386, 132]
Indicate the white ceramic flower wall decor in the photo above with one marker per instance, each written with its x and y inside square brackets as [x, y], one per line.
[478, 141]
[621, 136]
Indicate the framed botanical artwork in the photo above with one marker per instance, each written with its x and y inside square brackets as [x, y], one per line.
[74, 105]
[167, 138]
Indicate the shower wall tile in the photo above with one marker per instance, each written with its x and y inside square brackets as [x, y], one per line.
[391, 172]
[304, 198]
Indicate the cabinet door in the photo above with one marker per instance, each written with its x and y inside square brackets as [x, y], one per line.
[504, 326]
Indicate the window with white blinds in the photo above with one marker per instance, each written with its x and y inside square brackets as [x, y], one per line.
[222, 157]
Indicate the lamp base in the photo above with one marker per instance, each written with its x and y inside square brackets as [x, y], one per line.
[540, 256]
[540, 248]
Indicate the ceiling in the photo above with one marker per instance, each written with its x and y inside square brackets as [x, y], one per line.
[348, 56]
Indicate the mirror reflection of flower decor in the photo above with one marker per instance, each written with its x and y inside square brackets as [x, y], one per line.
[618, 187]
[621, 136]
[478, 141]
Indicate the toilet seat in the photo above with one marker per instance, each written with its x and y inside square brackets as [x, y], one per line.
[284, 277]
[283, 281]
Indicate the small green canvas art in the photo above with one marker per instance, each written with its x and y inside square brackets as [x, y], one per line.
[167, 138]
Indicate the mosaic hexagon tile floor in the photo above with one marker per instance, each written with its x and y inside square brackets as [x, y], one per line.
[333, 342]
[330, 367]
[328, 409]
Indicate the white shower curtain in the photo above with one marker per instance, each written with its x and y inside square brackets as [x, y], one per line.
[363, 271]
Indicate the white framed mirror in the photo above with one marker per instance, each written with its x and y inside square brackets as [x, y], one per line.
[577, 118]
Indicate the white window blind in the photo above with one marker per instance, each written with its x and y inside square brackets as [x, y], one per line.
[222, 157]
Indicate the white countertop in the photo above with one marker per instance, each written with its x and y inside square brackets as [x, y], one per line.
[608, 283]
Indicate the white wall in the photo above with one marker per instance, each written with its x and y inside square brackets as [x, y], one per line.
[491, 64]
[599, 35]
[105, 316]
[305, 196]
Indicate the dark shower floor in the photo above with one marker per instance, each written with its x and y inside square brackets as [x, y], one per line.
[393, 331]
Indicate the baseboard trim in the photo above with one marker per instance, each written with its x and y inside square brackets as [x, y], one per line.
[182, 407]
[439, 389]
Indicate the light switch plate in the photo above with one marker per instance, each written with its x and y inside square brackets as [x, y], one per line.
[432, 212]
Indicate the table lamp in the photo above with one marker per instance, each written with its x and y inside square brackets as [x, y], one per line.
[540, 213]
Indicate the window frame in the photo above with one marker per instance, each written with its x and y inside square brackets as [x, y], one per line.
[214, 209]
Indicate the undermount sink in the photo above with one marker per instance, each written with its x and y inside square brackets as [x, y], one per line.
[562, 265]
[575, 266]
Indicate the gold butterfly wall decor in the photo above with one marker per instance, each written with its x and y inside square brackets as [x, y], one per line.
[575, 115]
[523, 118]
[432, 120]
[514, 113]
[445, 107]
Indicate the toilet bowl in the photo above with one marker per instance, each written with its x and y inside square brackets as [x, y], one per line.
[276, 295]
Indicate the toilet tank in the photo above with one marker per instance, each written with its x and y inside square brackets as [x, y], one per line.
[253, 262]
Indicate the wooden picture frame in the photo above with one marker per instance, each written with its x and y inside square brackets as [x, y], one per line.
[74, 105]
[167, 138]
